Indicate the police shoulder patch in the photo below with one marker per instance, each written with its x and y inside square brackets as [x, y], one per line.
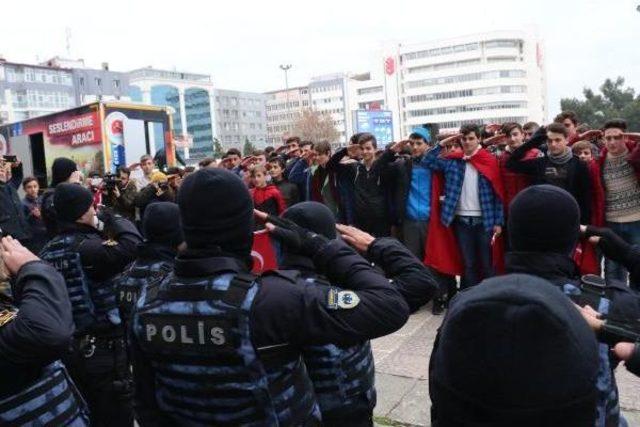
[348, 299]
[109, 242]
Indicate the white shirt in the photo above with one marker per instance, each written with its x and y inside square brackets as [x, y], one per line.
[140, 179]
[469, 201]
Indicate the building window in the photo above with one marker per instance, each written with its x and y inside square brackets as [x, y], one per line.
[81, 81]
[116, 84]
[98, 81]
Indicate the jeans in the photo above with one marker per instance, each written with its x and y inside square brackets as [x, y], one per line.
[414, 236]
[475, 244]
[630, 232]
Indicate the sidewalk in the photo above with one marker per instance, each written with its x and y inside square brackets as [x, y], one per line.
[402, 364]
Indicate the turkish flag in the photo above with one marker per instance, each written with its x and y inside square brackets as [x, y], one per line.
[263, 253]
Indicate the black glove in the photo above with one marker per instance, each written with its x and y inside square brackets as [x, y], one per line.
[613, 246]
[296, 238]
[539, 137]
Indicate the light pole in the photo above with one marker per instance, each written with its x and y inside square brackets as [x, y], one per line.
[286, 69]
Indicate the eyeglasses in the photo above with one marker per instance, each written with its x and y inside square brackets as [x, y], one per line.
[610, 138]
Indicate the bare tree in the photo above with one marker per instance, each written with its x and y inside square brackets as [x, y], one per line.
[315, 126]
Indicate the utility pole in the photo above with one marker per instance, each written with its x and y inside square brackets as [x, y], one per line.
[286, 69]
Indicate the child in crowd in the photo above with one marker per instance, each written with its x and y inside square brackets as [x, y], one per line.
[266, 197]
[289, 190]
[586, 256]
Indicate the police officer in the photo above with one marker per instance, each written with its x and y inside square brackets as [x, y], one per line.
[625, 334]
[213, 345]
[343, 377]
[543, 227]
[155, 256]
[89, 261]
[35, 330]
[513, 351]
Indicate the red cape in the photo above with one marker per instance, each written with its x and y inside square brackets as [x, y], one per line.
[442, 252]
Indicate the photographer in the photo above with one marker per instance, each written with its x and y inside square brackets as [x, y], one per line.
[121, 193]
[158, 190]
[12, 219]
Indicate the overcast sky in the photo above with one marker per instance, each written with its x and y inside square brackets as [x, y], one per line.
[241, 43]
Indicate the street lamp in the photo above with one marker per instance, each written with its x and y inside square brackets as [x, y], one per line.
[286, 68]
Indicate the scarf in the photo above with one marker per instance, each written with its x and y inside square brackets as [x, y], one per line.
[562, 158]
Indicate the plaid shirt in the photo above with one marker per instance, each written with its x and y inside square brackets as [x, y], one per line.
[453, 169]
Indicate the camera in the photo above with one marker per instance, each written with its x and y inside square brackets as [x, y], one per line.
[10, 159]
[164, 186]
[110, 181]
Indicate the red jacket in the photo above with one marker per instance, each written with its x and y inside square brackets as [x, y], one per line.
[268, 199]
[513, 182]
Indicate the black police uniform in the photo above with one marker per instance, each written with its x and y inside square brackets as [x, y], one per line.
[35, 388]
[153, 264]
[343, 377]
[211, 321]
[617, 302]
[89, 262]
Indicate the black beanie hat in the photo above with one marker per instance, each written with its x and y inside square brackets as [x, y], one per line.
[217, 211]
[544, 218]
[71, 201]
[514, 351]
[61, 170]
[161, 224]
[313, 216]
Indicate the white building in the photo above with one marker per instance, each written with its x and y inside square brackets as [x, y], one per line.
[328, 94]
[493, 77]
[485, 78]
[283, 108]
[241, 117]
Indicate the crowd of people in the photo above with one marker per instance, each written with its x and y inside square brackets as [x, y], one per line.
[130, 295]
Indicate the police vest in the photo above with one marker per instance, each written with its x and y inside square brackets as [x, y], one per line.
[138, 276]
[197, 336]
[343, 378]
[52, 400]
[90, 301]
[592, 291]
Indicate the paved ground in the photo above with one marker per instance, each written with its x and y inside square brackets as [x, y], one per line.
[402, 361]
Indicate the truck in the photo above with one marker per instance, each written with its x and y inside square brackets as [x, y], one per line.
[99, 137]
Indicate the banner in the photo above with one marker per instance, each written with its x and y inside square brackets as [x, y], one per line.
[75, 130]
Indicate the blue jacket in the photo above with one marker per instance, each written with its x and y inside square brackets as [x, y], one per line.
[453, 169]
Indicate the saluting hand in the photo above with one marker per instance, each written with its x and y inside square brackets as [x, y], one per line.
[355, 237]
[15, 255]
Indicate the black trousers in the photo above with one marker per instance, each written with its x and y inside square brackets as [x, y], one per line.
[104, 380]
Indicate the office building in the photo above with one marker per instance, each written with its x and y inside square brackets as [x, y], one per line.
[493, 77]
[28, 91]
[283, 109]
[189, 94]
[240, 117]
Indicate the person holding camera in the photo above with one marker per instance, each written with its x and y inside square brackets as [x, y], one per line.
[158, 190]
[121, 193]
[90, 250]
[12, 219]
